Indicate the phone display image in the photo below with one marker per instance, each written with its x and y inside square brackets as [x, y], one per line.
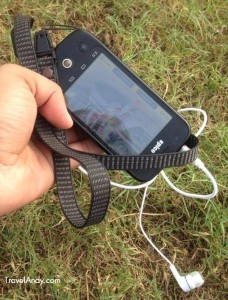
[115, 108]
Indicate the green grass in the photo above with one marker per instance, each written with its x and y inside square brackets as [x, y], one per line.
[180, 49]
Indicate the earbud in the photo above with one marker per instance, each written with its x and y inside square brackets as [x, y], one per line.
[188, 282]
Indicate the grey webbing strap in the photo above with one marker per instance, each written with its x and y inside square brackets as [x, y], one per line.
[56, 140]
[154, 161]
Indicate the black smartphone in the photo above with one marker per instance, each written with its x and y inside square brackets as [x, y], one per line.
[114, 106]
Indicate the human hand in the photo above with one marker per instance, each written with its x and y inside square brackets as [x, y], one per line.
[26, 165]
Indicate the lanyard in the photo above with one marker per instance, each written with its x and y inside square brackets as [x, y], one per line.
[40, 57]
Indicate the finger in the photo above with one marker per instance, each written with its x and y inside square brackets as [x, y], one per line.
[86, 145]
[48, 95]
[76, 134]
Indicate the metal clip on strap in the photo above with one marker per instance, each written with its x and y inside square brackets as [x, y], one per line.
[42, 60]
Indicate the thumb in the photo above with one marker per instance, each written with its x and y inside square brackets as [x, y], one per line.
[22, 93]
[46, 93]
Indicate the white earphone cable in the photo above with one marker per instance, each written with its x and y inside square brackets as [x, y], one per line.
[144, 232]
[198, 163]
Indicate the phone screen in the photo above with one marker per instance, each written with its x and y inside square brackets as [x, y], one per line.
[115, 108]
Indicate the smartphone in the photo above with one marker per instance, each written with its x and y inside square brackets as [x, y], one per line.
[113, 105]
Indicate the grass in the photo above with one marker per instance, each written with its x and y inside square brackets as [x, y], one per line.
[180, 49]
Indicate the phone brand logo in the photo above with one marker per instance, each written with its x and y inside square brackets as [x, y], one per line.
[157, 146]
